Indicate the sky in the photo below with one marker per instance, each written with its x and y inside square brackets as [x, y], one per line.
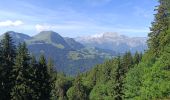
[75, 18]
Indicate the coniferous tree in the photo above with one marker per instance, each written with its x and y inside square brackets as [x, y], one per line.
[78, 91]
[136, 58]
[159, 27]
[127, 62]
[50, 66]
[7, 56]
[52, 76]
[150, 79]
[119, 74]
[44, 79]
[61, 85]
[21, 89]
[34, 83]
[94, 79]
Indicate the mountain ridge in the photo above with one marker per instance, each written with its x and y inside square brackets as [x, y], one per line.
[115, 42]
[70, 56]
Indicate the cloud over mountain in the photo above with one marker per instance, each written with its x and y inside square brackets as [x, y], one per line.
[9, 23]
[115, 41]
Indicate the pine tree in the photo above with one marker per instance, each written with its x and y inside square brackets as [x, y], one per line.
[61, 85]
[7, 56]
[150, 79]
[33, 83]
[21, 90]
[81, 93]
[50, 66]
[94, 78]
[159, 27]
[119, 74]
[127, 62]
[78, 91]
[44, 79]
[136, 58]
[52, 74]
[164, 9]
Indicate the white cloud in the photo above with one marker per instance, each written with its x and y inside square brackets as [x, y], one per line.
[9, 23]
[45, 27]
[97, 35]
[42, 27]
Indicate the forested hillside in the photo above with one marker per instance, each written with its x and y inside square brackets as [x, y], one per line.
[126, 77]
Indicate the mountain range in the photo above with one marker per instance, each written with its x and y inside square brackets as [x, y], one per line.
[74, 55]
[69, 56]
[115, 42]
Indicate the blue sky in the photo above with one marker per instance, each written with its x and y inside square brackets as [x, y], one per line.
[77, 17]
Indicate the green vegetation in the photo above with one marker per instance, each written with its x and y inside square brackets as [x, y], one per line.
[88, 53]
[138, 77]
[126, 77]
[22, 77]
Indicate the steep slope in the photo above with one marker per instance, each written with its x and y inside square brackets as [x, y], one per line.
[73, 44]
[115, 42]
[49, 37]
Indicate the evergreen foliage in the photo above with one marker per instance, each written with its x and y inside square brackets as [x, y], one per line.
[7, 57]
[21, 76]
[127, 77]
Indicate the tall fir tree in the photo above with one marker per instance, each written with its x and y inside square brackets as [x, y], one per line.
[33, 82]
[78, 91]
[50, 65]
[136, 58]
[44, 79]
[159, 27]
[151, 78]
[7, 56]
[119, 74]
[127, 62]
[21, 90]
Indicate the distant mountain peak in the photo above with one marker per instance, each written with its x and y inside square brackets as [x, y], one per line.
[47, 34]
[17, 37]
[114, 41]
[50, 37]
[13, 33]
[111, 34]
[105, 35]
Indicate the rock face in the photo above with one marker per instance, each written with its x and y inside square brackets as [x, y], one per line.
[115, 42]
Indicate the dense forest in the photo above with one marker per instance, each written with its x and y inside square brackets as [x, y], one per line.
[126, 77]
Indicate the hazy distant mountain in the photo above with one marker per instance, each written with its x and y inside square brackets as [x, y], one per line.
[18, 37]
[69, 55]
[49, 37]
[115, 42]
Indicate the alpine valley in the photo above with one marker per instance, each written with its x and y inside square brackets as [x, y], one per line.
[74, 55]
